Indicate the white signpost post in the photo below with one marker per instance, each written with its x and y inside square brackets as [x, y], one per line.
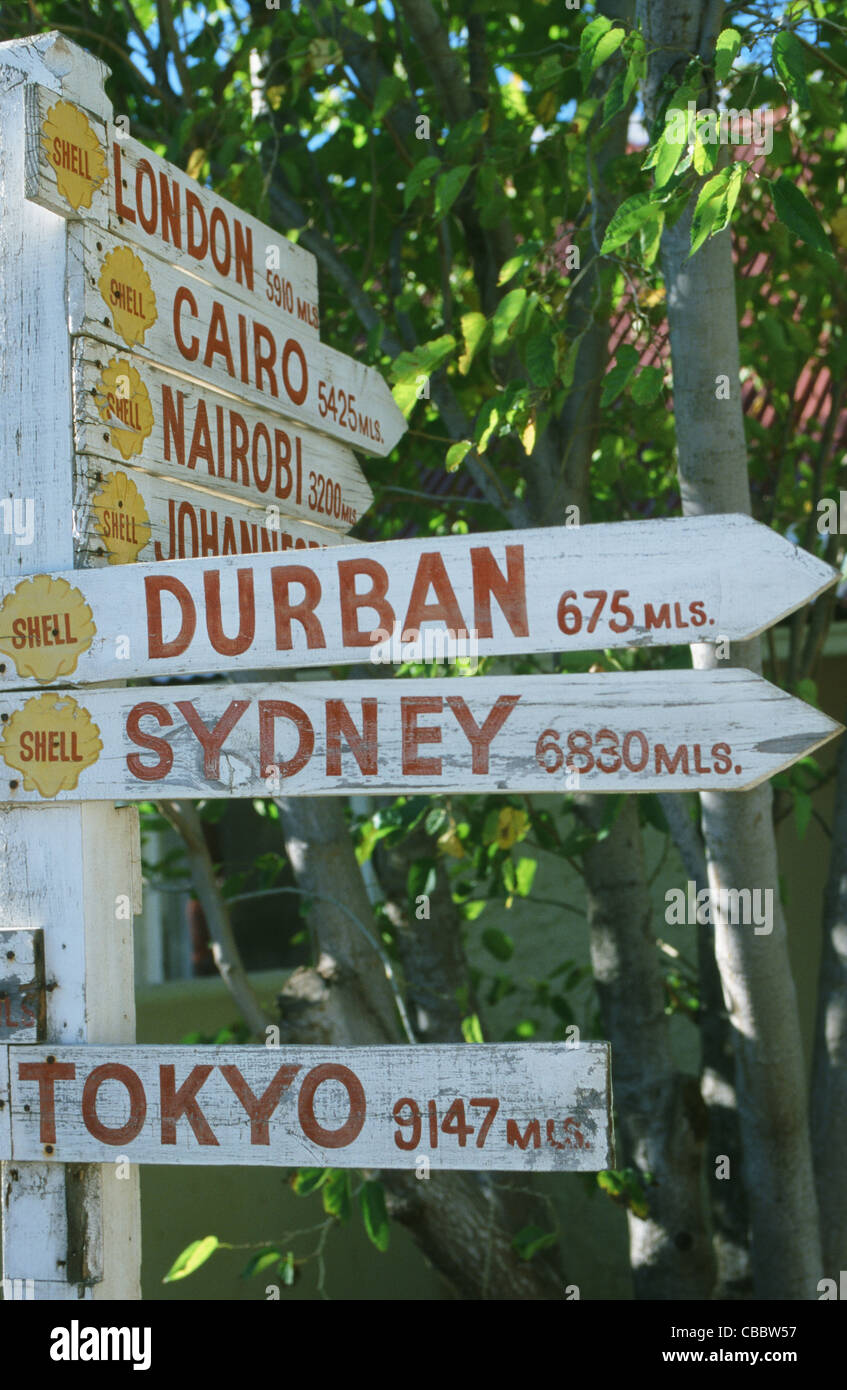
[179, 366]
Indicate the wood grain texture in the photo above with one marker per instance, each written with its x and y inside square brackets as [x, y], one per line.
[182, 323]
[323, 1106]
[510, 588]
[119, 510]
[668, 731]
[197, 435]
[64, 867]
[136, 214]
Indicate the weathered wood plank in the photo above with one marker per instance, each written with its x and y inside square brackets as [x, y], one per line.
[134, 413]
[130, 299]
[641, 583]
[528, 1106]
[653, 731]
[84, 168]
[65, 868]
[125, 516]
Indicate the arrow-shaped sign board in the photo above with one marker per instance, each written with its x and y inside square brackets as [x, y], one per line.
[124, 516]
[653, 731]
[132, 300]
[133, 413]
[560, 589]
[82, 169]
[527, 1106]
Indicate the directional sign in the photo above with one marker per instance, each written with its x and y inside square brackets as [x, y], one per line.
[81, 168]
[530, 1106]
[560, 589]
[134, 413]
[129, 300]
[125, 516]
[654, 731]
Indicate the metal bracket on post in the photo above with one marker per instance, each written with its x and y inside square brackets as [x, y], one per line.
[83, 1204]
[23, 996]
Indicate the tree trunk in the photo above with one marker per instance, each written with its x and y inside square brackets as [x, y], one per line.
[829, 1069]
[661, 1121]
[737, 827]
[457, 1219]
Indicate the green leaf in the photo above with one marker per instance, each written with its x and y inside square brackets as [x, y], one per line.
[474, 328]
[308, 1180]
[472, 1029]
[407, 369]
[794, 209]
[505, 315]
[631, 215]
[336, 1195]
[541, 359]
[802, 812]
[789, 61]
[647, 386]
[456, 453]
[616, 97]
[525, 871]
[390, 90]
[510, 268]
[192, 1257]
[423, 359]
[714, 206]
[495, 941]
[670, 152]
[607, 45]
[374, 1214]
[448, 188]
[287, 1271]
[531, 1240]
[726, 48]
[472, 910]
[617, 378]
[419, 177]
[591, 35]
[259, 1262]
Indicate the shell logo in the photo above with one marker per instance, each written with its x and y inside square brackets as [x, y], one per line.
[120, 518]
[51, 741]
[45, 626]
[128, 294]
[73, 150]
[123, 403]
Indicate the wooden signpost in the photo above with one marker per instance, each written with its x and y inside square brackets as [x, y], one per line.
[558, 589]
[655, 731]
[134, 414]
[87, 169]
[183, 427]
[128, 515]
[130, 300]
[530, 1106]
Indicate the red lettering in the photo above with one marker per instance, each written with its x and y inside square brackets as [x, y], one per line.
[353, 1125]
[156, 745]
[124, 1134]
[175, 1103]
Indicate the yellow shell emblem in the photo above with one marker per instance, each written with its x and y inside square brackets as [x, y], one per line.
[128, 294]
[45, 626]
[120, 518]
[51, 740]
[123, 403]
[73, 150]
